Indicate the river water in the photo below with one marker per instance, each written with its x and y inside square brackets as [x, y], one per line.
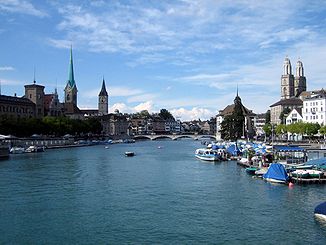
[162, 195]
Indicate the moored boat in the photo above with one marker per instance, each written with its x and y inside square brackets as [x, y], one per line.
[207, 154]
[251, 170]
[315, 173]
[300, 174]
[261, 172]
[320, 211]
[17, 150]
[276, 173]
[34, 148]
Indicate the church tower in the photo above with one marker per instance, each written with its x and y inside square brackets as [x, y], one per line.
[300, 84]
[103, 100]
[287, 80]
[71, 88]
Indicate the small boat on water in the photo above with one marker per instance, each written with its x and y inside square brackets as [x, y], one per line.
[17, 150]
[34, 148]
[320, 211]
[252, 170]
[207, 154]
[315, 173]
[129, 153]
[261, 172]
[300, 173]
[276, 173]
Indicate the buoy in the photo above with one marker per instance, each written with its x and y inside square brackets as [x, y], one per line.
[291, 184]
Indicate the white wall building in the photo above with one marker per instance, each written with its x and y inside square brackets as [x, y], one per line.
[294, 116]
[314, 109]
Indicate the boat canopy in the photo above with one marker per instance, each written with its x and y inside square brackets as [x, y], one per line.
[318, 162]
[233, 150]
[321, 209]
[276, 171]
[288, 148]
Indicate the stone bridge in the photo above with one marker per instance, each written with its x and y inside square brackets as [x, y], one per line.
[174, 136]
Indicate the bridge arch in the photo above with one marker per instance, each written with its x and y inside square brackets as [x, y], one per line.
[142, 137]
[162, 137]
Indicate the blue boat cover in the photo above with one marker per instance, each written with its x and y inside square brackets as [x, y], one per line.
[287, 148]
[276, 171]
[214, 147]
[321, 209]
[233, 150]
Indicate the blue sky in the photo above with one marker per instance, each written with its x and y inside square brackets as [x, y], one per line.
[186, 56]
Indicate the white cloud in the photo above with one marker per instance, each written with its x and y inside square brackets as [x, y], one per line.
[6, 68]
[5, 81]
[148, 105]
[22, 7]
[123, 108]
[194, 113]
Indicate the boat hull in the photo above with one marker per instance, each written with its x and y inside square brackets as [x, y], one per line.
[208, 158]
[275, 181]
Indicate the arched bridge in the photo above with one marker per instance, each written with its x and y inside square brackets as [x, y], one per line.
[174, 136]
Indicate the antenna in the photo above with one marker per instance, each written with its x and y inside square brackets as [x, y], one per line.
[34, 76]
[0, 87]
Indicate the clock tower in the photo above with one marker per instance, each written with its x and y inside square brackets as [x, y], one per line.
[103, 100]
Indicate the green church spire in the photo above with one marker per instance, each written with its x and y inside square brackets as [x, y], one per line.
[71, 79]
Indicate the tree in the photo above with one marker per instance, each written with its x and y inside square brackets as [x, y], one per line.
[232, 126]
[267, 116]
[311, 129]
[284, 114]
[165, 115]
[267, 129]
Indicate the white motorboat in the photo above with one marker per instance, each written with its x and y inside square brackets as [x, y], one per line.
[34, 148]
[17, 150]
[207, 155]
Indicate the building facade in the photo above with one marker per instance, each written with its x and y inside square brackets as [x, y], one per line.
[314, 108]
[35, 93]
[15, 107]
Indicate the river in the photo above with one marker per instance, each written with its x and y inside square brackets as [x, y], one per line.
[162, 195]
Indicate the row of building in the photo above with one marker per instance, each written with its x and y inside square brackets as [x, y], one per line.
[295, 102]
[35, 103]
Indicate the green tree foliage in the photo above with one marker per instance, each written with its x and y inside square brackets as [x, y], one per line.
[267, 129]
[232, 126]
[281, 129]
[322, 130]
[166, 115]
[55, 126]
[312, 129]
[268, 117]
[284, 114]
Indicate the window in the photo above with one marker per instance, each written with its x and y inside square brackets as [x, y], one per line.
[30, 96]
[317, 103]
[307, 118]
[321, 116]
[321, 108]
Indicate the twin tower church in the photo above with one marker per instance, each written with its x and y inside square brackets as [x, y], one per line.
[70, 93]
[292, 86]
